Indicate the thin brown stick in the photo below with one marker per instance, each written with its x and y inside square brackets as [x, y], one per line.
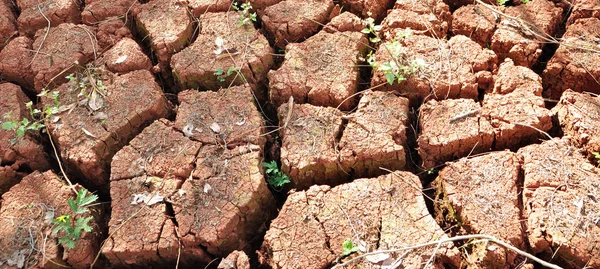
[45, 35]
[59, 162]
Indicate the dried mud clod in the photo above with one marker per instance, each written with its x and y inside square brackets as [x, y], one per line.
[309, 139]
[345, 22]
[18, 155]
[99, 10]
[36, 14]
[481, 195]
[322, 71]
[375, 136]
[110, 31]
[27, 240]
[430, 17]
[224, 54]
[200, 7]
[477, 22]
[95, 122]
[581, 9]
[521, 36]
[575, 65]
[511, 77]
[166, 25]
[8, 22]
[125, 56]
[470, 69]
[368, 8]
[292, 21]
[227, 117]
[377, 213]
[560, 199]
[578, 115]
[14, 59]
[235, 260]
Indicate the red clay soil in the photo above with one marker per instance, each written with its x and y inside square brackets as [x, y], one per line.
[14, 60]
[510, 78]
[560, 203]
[574, 66]
[58, 51]
[523, 44]
[206, 65]
[166, 25]
[100, 10]
[581, 9]
[110, 31]
[481, 196]
[90, 130]
[376, 9]
[18, 155]
[377, 213]
[36, 14]
[235, 260]
[375, 135]
[226, 200]
[292, 21]
[309, 145]
[579, 118]
[430, 17]
[443, 139]
[470, 69]
[8, 22]
[227, 117]
[322, 71]
[345, 22]
[125, 56]
[477, 22]
[26, 237]
[200, 7]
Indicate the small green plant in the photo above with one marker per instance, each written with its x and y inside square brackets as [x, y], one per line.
[397, 68]
[372, 29]
[20, 127]
[348, 247]
[73, 225]
[246, 15]
[221, 75]
[277, 179]
[597, 156]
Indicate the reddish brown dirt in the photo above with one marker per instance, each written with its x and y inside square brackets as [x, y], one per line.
[308, 150]
[366, 211]
[375, 135]
[512, 78]
[35, 15]
[248, 61]
[110, 31]
[235, 260]
[26, 234]
[469, 70]
[368, 8]
[583, 9]
[261, 4]
[88, 137]
[227, 117]
[429, 17]
[200, 7]
[100, 10]
[8, 22]
[573, 66]
[14, 62]
[578, 115]
[64, 44]
[475, 21]
[294, 20]
[166, 25]
[125, 56]
[323, 71]
[345, 22]
[559, 198]
[480, 195]
[524, 44]
[17, 154]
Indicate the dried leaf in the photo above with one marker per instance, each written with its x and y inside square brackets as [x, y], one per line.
[121, 59]
[100, 116]
[188, 130]
[215, 127]
[242, 122]
[377, 258]
[207, 187]
[148, 199]
[96, 101]
[88, 132]
[181, 192]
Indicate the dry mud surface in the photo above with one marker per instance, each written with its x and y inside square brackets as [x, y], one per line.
[406, 130]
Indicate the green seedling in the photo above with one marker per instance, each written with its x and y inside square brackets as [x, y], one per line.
[348, 247]
[276, 177]
[71, 226]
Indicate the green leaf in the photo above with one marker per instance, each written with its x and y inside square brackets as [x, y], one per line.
[82, 224]
[365, 31]
[36, 111]
[21, 131]
[72, 205]
[390, 77]
[377, 27]
[25, 121]
[9, 125]
[231, 70]
[219, 72]
[375, 39]
[348, 247]
[29, 104]
[596, 155]
[85, 201]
